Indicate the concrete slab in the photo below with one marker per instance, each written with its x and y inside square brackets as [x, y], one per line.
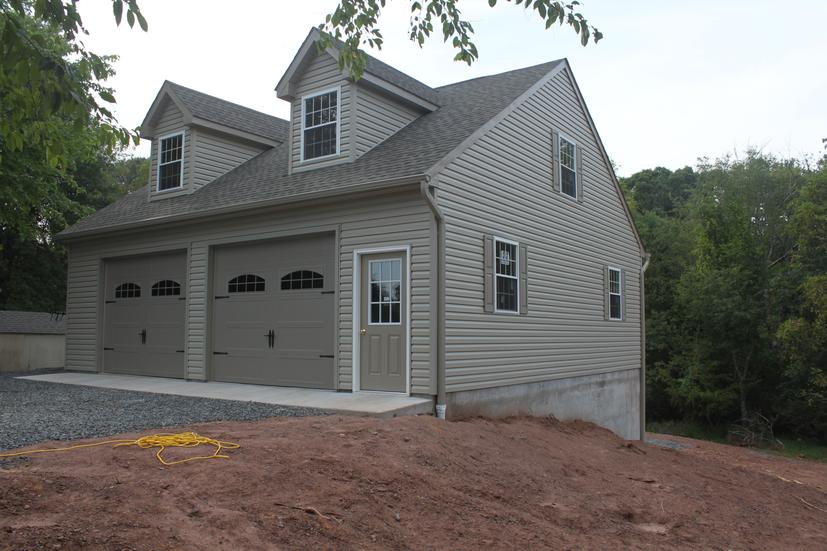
[359, 403]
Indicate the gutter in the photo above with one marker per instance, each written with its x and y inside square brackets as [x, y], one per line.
[427, 193]
[152, 222]
[645, 264]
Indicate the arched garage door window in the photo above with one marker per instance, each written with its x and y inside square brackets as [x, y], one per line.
[128, 290]
[302, 279]
[166, 288]
[246, 283]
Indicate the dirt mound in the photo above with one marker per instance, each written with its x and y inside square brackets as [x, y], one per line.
[415, 482]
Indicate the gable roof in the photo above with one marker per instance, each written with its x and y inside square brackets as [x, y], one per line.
[204, 107]
[386, 74]
[38, 323]
[411, 153]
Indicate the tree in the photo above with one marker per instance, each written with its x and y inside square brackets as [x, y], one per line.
[57, 143]
[355, 24]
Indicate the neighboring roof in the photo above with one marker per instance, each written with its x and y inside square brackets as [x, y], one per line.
[210, 108]
[41, 323]
[374, 67]
[413, 151]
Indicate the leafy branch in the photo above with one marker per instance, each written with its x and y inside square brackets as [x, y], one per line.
[354, 24]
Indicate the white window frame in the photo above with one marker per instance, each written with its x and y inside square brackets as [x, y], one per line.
[560, 138]
[495, 275]
[338, 90]
[370, 303]
[183, 156]
[609, 292]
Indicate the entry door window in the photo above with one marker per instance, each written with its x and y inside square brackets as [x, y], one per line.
[385, 292]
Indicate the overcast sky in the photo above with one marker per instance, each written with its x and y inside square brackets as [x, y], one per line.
[670, 82]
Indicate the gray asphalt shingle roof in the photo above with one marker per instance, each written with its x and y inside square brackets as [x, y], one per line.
[217, 110]
[465, 107]
[40, 323]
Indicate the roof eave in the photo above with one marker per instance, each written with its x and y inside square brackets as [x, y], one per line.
[378, 185]
[147, 129]
[235, 132]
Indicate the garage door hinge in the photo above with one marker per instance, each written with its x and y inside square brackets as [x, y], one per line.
[325, 355]
[328, 292]
[222, 296]
[220, 353]
[108, 348]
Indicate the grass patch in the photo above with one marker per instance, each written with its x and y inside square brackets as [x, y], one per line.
[793, 446]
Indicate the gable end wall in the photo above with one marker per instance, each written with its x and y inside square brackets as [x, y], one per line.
[170, 121]
[322, 73]
[502, 185]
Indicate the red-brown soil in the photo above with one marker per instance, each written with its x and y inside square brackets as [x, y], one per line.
[416, 482]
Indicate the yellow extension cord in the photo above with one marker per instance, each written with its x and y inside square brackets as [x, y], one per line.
[160, 441]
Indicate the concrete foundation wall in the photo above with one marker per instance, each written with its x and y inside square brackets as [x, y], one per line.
[19, 352]
[611, 400]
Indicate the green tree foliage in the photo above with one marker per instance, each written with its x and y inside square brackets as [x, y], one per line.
[57, 143]
[736, 290]
[356, 24]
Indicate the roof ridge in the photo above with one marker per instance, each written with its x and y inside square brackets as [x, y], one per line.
[511, 71]
[234, 104]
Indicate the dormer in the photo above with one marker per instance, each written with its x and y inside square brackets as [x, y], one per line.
[334, 119]
[196, 138]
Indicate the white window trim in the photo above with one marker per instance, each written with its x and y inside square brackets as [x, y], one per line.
[371, 303]
[609, 292]
[183, 156]
[561, 136]
[338, 90]
[494, 274]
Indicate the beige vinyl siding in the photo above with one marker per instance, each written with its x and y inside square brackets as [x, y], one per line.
[392, 220]
[502, 186]
[171, 121]
[321, 74]
[378, 117]
[215, 154]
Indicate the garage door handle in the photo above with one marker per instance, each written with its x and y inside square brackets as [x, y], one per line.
[142, 333]
[220, 353]
[271, 338]
[325, 355]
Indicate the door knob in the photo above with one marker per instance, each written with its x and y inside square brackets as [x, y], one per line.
[363, 332]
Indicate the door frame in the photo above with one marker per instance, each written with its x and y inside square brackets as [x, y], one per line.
[356, 363]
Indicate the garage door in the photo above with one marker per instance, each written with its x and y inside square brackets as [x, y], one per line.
[273, 313]
[144, 315]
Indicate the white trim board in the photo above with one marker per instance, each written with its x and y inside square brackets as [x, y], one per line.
[357, 314]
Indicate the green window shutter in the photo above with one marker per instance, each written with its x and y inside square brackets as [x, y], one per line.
[579, 161]
[623, 295]
[523, 280]
[606, 292]
[488, 273]
[555, 160]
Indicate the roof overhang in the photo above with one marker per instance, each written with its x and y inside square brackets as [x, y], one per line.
[367, 187]
[286, 87]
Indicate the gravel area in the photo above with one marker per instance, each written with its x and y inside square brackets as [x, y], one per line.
[36, 411]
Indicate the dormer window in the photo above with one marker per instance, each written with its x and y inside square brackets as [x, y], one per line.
[171, 162]
[320, 125]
